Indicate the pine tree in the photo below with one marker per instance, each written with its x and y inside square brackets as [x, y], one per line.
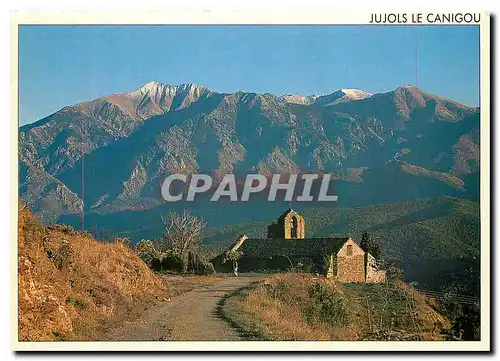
[371, 245]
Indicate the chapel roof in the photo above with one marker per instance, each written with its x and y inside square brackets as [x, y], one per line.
[306, 247]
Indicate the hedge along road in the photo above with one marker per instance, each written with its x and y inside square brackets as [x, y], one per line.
[191, 316]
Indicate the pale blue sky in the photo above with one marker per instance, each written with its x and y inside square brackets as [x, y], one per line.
[63, 65]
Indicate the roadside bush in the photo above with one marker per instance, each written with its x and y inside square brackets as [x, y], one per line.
[198, 264]
[206, 269]
[168, 260]
[146, 250]
[326, 306]
[171, 262]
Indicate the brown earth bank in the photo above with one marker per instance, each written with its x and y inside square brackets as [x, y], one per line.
[303, 307]
[73, 287]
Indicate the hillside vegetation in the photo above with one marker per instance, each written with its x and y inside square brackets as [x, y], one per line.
[71, 286]
[302, 307]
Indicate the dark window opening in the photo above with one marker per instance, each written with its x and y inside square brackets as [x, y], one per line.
[349, 250]
[294, 227]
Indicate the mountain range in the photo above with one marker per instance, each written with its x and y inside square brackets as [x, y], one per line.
[108, 156]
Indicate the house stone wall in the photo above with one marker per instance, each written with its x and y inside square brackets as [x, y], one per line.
[350, 268]
[373, 274]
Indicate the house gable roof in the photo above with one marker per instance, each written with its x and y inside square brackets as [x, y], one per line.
[307, 247]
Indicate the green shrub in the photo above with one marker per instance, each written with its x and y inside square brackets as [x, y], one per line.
[172, 262]
[284, 293]
[67, 229]
[206, 268]
[147, 252]
[198, 264]
[465, 318]
[76, 302]
[326, 306]
[62, 258]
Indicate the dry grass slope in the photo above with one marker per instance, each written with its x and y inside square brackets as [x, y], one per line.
[73, 287]
[302, 307]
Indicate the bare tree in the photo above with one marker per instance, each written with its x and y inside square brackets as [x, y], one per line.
[183, 233]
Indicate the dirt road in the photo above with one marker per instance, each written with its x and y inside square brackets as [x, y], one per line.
[190, 316]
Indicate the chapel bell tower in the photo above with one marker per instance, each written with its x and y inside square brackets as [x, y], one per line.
[290, 225]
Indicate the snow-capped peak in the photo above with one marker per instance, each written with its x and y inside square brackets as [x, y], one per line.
[338, 96]
[406, 86]
[158, 87]
[356, 94]
[152, 85]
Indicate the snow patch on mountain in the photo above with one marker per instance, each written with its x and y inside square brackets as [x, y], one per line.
[299, 99]
[355, 94]
[157, 98]
[156, 87]
[333, 98]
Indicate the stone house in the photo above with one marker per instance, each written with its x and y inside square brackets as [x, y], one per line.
[286, 247]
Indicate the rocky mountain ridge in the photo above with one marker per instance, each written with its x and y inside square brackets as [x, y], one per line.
[127, 143]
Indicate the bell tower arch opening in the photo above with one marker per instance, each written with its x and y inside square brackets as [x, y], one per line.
[294, 227]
